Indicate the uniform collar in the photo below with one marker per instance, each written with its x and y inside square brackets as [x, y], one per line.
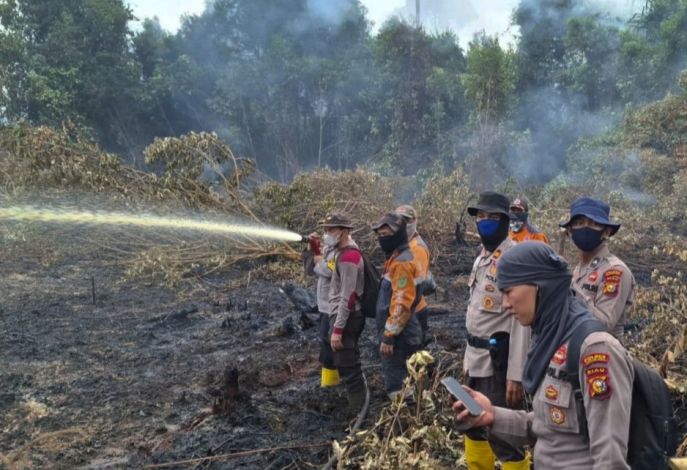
[507, 242]
[602, 253]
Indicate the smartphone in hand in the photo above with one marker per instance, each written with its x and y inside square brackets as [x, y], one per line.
[461, 394]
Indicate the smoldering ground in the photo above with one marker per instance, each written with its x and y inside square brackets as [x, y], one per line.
[101, 373]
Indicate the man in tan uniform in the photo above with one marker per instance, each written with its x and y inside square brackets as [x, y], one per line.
[346, 319]
[497, 345]
[588, 432]
[601, 280]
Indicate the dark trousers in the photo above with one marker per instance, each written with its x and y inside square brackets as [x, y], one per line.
[394, 367]
[423, 318]
[495, 390]
[347, 360]
[326, 353]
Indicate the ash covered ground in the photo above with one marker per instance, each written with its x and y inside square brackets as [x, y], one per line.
[147, 375]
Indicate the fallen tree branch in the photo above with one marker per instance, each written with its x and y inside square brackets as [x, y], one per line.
[236, 455]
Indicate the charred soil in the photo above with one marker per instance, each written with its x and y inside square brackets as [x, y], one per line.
[98, 372]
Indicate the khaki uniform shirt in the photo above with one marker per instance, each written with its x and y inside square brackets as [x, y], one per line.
[485, 317]
[606, 285]
[346, 286]
[323, 270]
[606, 377]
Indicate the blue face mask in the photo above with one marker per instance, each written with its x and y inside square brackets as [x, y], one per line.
[587, 239]
[487, 228]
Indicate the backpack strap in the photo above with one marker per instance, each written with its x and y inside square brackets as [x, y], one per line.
[572, 367]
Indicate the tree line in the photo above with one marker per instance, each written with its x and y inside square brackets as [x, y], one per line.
[295, 87]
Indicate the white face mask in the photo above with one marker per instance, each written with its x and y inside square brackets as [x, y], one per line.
[331, 240]
[516, 226]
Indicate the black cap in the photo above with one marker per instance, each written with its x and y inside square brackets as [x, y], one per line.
[392, 219]
[491, 202]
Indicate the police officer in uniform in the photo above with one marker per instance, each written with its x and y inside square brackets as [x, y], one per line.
[601, 279]
[497, 344]
[568, 431]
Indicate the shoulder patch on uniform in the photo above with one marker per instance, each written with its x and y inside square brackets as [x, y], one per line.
[593, 276]
[599, 386]
[402, 282]
[612, 282]
[350, 256]
[497, 254]
[490, 288]
[595, 358]
[331, 264]
[488, 303]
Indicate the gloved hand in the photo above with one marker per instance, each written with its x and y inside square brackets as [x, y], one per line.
[314, 243]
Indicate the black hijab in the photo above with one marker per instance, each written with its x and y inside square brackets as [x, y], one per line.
[557, 313]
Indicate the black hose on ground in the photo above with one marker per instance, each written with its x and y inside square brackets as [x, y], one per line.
[358, 422]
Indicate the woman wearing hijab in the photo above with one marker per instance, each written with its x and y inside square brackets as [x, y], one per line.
[590, 432]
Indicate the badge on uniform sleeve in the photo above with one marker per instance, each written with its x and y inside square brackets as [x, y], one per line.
[497, 254]
[594, 358]
[331, 264]
[594, 276]
[612, 282]
[488, 303]
[402, 282]
[599, 387]
[561, 355]
[490, 288]
[551, 392]
[557, 415]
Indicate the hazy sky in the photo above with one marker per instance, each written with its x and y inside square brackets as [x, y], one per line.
[466, 17]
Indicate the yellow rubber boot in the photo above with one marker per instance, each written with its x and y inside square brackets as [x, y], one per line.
[330, 378]
[524, 464]
[478, 455]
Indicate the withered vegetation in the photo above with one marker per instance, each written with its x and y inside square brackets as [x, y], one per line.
[641, 170]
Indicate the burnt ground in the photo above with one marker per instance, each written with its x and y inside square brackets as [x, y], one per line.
[144, 375]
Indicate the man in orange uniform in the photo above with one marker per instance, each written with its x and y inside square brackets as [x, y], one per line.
[398, 327]
[521, 229]
[420, 252]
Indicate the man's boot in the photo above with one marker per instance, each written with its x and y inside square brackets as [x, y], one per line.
[524, 464]
[478, 455]
[330, 378]
[356, 400]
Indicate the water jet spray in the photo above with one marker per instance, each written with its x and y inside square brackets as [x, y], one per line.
[34, 214]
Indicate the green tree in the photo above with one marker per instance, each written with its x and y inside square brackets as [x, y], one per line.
[490, 79]
[69, 59]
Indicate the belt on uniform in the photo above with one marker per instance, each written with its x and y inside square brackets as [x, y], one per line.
[477, 342]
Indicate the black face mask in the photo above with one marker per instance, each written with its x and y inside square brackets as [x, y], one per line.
[392, 242]
[587, 239]
[493, 240]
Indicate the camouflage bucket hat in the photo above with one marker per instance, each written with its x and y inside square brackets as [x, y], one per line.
[336, 219]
